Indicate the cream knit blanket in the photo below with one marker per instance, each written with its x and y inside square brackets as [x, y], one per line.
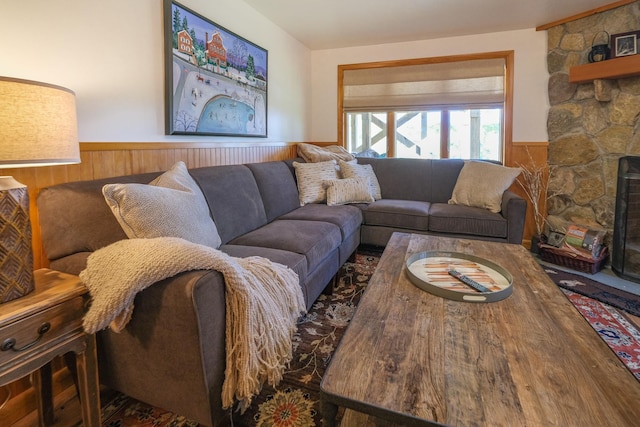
[263, 303]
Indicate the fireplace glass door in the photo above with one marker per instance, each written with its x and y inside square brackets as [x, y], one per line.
[625, 260]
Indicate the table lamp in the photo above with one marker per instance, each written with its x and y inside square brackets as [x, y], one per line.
[38, 127]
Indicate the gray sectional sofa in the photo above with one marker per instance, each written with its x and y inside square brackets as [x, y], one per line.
[176, 336]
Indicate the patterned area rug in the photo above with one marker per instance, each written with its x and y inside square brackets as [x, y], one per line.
[613, 327]
[295, 401]
[588, 287]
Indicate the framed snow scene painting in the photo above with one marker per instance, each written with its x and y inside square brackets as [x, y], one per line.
[215, 81]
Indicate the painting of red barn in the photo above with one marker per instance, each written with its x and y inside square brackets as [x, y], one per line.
[215, 80]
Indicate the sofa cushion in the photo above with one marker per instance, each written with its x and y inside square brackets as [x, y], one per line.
[233, 197]
[277, 186]
[481, 184]
[311, 177]
[171, 205]
[354, 170]
[409, 214]
[313, 153]
[444, 173]
[460, 219]
[348, 218]
[348, 190]
[296, 262]
[313, 239]
[402, 179]
[84, 207]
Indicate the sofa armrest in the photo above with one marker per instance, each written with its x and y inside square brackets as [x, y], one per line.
[176, 336]
[514, 209]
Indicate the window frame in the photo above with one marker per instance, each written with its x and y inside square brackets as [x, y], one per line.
[507, 130]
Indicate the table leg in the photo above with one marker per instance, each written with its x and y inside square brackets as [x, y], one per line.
[88, 383]
[382, 423]
[41, 382]
[329, 412]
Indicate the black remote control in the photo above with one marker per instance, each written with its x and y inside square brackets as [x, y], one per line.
[468, 281]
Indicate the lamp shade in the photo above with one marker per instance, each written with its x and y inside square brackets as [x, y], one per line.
[38, 124]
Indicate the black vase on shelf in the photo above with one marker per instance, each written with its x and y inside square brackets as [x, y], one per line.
[601, 51]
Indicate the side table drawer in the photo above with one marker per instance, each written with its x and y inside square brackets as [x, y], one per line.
[40, 331]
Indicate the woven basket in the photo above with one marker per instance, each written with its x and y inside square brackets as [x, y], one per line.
[570, 260]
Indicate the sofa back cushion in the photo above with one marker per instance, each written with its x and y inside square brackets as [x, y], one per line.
[233, 197]
[75, 218]
[444, 174]
[423, 180]
[277, 186]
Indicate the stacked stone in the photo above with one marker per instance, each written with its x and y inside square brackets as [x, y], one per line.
[590, 125]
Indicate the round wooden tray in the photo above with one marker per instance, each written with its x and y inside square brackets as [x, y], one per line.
[429, 272]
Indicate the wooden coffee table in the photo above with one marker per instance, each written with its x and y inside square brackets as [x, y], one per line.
[413, 358]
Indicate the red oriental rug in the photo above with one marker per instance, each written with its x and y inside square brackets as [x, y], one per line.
[295, 401]
[613, 327]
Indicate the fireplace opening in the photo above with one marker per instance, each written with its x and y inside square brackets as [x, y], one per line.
[625, 260]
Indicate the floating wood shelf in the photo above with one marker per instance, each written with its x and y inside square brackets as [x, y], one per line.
[626, 66]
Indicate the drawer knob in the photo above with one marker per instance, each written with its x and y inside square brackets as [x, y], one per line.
[10, 343]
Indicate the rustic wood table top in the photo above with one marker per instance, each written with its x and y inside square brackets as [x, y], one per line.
[414, 358]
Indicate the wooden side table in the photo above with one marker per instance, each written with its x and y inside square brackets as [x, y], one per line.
[42, 325]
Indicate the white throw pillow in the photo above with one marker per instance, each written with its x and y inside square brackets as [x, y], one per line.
[482, 184]
[172, 205]
[354, 170]
[350, 190]
[310, 177]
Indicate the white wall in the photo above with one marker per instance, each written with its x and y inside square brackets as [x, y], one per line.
[110, 53]
[530, 71]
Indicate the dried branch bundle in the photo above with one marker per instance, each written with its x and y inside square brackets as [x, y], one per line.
[533, 181]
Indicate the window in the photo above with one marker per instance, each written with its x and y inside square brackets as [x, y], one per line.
[449, 107]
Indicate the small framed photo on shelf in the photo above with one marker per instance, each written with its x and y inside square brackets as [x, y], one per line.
[624, 44]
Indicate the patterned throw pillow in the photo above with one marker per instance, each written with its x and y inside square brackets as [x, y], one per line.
[354, 170]
[310, 177]
[481, 184]
[172, 205]
[350, 190]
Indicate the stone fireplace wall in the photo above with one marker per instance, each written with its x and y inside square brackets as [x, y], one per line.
[591, 125]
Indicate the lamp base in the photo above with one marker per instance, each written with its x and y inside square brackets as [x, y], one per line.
[16, 256]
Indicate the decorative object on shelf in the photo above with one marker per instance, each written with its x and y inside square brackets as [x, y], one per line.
[215, 80]
[624, 44]
[38, 127]
[601, 51]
